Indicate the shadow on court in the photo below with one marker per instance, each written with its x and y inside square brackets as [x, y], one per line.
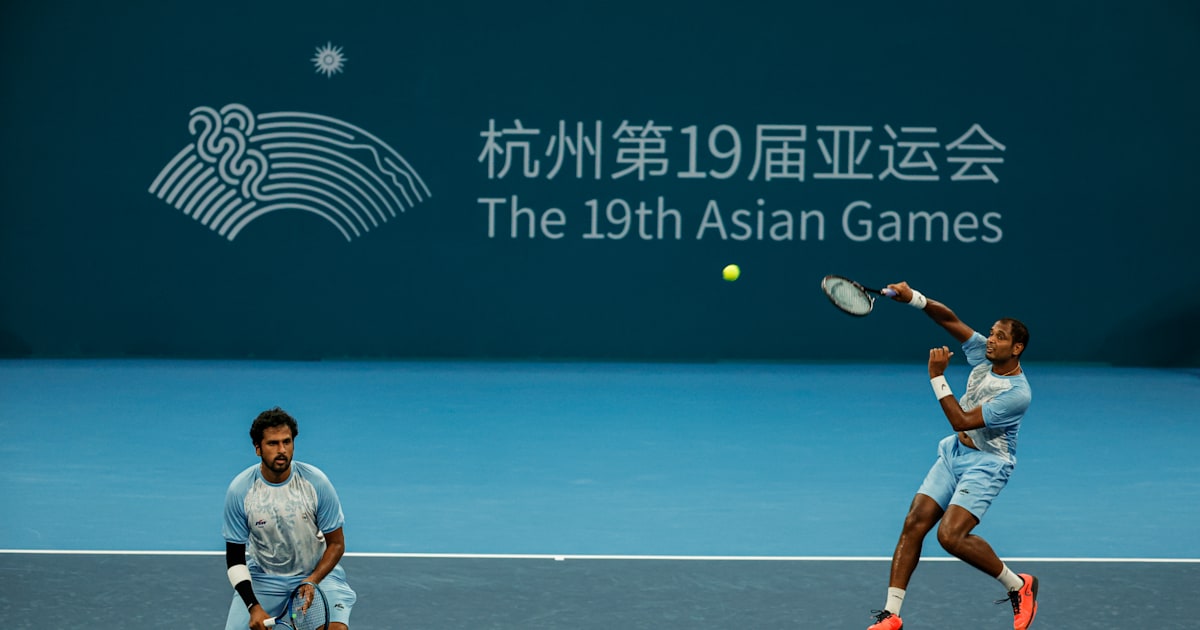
[180, 592]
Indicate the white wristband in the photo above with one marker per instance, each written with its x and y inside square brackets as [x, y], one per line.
[238, 574]
[918, 300]
[941, 388]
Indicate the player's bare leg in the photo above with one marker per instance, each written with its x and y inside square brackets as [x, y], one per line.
[923, 514]
[955, 536]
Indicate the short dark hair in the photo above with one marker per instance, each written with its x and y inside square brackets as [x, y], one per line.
[1020, 333]
[274, 417]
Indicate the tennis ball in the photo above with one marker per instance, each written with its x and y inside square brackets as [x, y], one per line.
[731, 272]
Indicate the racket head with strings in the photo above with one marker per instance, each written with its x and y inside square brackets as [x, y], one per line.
[296, 617]
[851, 297]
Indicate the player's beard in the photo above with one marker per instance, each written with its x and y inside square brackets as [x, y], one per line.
[279, 465]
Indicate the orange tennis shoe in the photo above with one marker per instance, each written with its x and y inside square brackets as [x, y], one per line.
[885, 620]
[1024, 602]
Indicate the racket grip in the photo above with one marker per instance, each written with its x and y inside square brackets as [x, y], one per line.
[889, 292]
[270, 622]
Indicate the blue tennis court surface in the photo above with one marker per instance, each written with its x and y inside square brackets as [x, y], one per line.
[778, 460]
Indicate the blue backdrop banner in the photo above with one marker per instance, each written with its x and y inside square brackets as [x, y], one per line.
[567, 180]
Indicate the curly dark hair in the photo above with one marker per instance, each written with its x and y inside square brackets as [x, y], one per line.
[273, 417]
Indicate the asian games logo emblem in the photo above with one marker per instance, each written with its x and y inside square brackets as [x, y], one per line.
[242, 166]
[329, 60]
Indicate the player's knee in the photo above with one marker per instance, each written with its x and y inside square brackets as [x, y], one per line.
[912, 523]
[918, 522]
[947, 541]
[950, 539]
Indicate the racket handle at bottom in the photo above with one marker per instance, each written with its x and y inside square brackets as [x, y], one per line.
[270, 622]
[889, 292]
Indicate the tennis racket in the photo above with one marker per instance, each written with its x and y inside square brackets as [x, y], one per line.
[298, 617]
[850, 296]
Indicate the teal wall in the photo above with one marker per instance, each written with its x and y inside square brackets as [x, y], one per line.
[348, 215]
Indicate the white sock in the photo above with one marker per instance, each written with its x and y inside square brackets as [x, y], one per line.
[894, 601]
[1010, 580]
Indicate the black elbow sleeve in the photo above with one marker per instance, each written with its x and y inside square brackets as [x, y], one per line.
[235, 554]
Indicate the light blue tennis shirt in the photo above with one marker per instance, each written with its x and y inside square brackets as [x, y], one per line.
[282, 525]
[1004, 399]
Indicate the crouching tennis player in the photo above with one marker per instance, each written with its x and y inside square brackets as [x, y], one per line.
[283, 527]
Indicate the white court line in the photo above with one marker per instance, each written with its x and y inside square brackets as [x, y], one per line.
[548, 556]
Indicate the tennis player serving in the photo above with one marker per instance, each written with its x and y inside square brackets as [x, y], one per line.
[973, 464]
[283, 529]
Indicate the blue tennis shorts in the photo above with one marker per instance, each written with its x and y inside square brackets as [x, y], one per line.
[965, 477]
[338, 595]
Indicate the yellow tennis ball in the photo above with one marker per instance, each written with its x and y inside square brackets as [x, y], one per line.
[731, 272]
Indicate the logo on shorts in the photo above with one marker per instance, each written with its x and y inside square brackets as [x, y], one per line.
[339, 606]
[260, 523]
[242, 166]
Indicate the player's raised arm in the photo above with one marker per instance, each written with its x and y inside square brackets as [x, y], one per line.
[938, 312]
[939, 359]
